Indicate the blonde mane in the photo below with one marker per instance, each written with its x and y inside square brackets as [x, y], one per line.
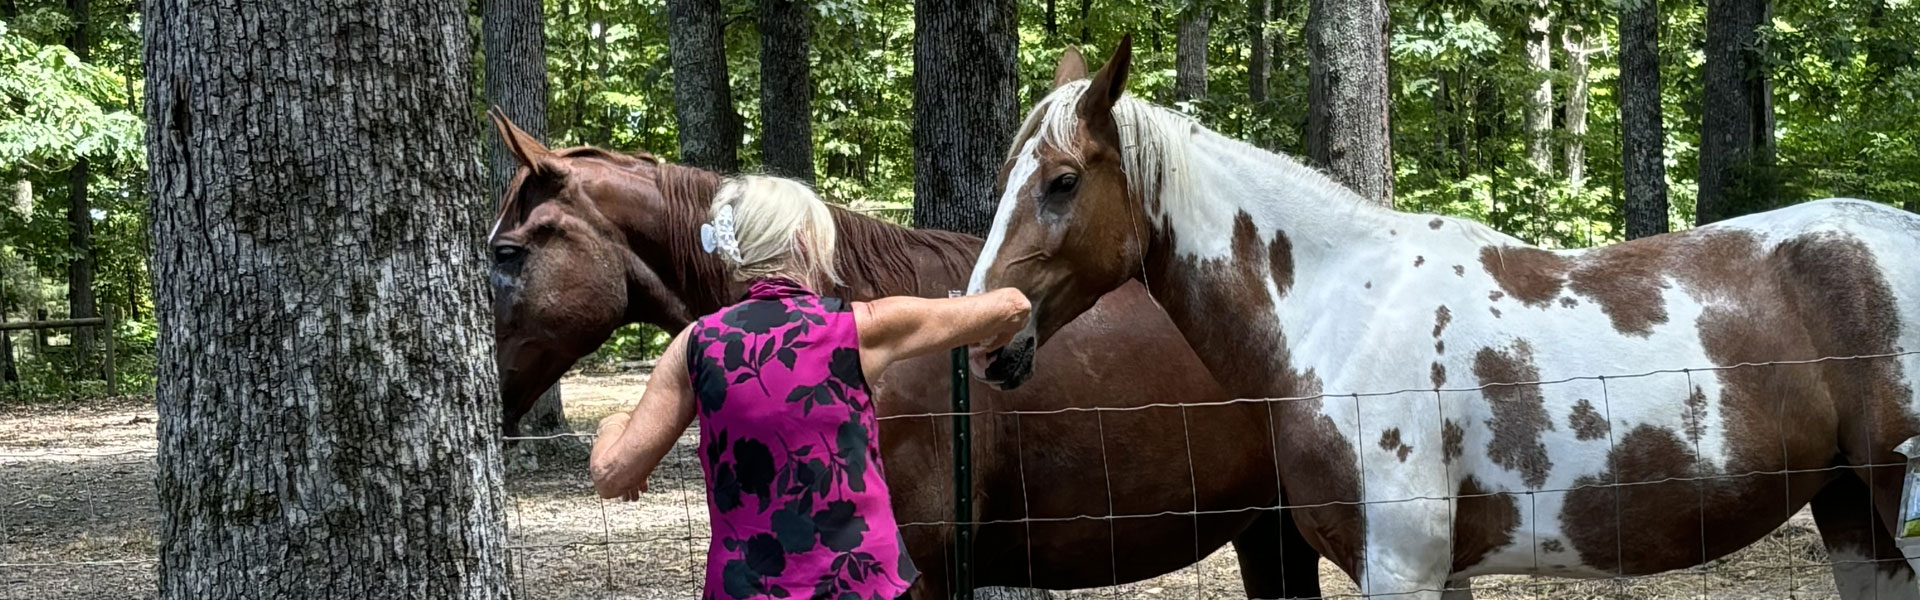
[1153, 148]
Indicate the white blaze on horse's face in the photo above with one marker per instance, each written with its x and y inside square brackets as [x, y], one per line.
[1024, 165]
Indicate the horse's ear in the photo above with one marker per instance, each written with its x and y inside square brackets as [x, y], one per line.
[1109, 83]
[529, 152]
[1073, 67]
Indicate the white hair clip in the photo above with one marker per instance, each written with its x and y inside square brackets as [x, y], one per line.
[717, 237]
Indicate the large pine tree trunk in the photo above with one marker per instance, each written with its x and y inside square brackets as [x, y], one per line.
[1539, 111]
[513, 35]
[1577, 90]
[702, 102]
[80, 303]
[1190, 49]
[1257, 17]
[1348, 129]
[965, 76]
[1736, 124]
[327, 399]
[786, 89]
[1643, 137]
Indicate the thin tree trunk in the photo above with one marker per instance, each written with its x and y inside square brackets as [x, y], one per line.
[1643, 136]
[1257, 52]
[965, 76]
[1736, 124]
[1190, 62]
[1053, 23]
[513, 34]
[80, 267]
[1539, 113]
[1348, 129]
[1577, 92]
[327, 401]
[1086, 7]
[786, 89]
[702, 102]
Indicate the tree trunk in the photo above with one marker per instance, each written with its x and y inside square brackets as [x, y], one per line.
[80, 265]
[786, 89]
[1190, 61]
[1736, 125]
[1086, 6]
[1348, 132]
[965, 76]
[514, 38]
[1577, 91]
[515, 41]
[1539, 113]
[327, 399]
[1257, 17]
[702, 102]
[1643, 136]
[1053, 23]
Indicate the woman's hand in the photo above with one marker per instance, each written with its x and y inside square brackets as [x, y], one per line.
[612, 427]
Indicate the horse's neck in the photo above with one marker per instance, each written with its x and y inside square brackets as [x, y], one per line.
[1251, 234]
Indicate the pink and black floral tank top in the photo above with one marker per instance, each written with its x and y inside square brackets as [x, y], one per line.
[791, 451]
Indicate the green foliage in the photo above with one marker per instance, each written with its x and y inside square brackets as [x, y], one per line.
[55, 109]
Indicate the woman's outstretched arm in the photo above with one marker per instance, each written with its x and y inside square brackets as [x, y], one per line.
[630, 445]
[902, 327]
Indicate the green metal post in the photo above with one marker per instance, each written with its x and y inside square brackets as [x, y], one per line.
[962, 476]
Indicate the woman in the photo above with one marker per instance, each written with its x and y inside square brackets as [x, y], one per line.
[788, 437]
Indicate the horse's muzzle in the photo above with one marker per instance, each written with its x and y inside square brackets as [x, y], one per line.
[1011, 365]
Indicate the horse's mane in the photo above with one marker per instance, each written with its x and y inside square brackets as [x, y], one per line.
[1153, 146]
[873, 256]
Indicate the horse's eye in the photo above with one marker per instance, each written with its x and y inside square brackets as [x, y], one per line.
[506, 253]
[1063, 185]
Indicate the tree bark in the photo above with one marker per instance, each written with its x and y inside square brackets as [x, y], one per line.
[1190, 49]
[327, 399]
[1086, 7]
[515, 41]
[1577, 92]
[1643, 135]
[1348, 129]
[1053, 22]
[786, 89]
[1539, 113]
[513, 34]
[80, 264]
[965, 76]
[702, 101]
[1257, 17]
[1736, 124]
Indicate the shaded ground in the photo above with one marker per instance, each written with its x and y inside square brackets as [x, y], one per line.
[77, 518]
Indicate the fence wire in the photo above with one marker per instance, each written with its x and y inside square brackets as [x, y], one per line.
[666, 559]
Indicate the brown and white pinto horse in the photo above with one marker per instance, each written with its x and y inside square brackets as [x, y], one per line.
[590, 240]
[1288, 285]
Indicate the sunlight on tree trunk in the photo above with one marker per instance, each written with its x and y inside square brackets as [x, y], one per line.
[1578, 59]
[1539, 113]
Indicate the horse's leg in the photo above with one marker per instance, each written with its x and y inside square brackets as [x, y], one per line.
[1866, 563]
[1275, 562]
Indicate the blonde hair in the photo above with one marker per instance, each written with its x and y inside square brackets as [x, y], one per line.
[782, 230]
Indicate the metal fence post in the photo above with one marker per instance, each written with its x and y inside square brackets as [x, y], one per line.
[962, 585]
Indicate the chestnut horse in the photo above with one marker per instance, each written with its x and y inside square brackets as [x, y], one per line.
[590, 240]
[1293, 289]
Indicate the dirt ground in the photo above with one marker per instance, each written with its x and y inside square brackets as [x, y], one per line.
[77, 517]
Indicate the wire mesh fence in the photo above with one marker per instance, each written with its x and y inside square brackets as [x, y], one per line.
[77, 514]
